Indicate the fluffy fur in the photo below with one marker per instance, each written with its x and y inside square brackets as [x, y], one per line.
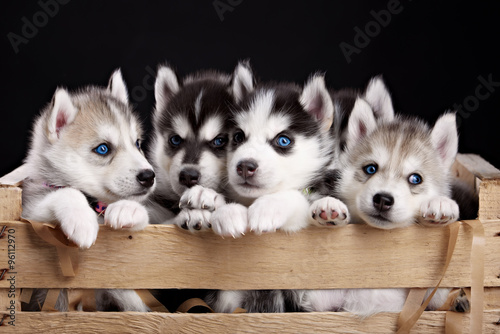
[395, 172]
[191, 129]
[280, 150]
[86, 149]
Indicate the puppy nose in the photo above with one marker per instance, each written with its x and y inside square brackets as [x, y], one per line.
[383, 201]
[146, 178]
[246, 168]
[189, 177]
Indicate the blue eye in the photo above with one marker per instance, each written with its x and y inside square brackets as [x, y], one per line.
[415, 179]
[175, 140]
[102, 149]
[283, 141]
[370, 169]
[219, 141]
[138, 144]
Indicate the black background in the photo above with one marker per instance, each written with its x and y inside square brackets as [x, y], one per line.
[431, 54]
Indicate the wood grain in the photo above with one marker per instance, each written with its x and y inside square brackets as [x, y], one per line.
[353, 256]
[478, 166]
[10, 203]
[485, 178]
[324, 322]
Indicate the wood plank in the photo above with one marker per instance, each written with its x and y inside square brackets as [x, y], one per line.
[321, 322]
[485, 179]
[10, 203]
[478, 166]
[491, 298]
[9, 302]
[489, 199]
[353, 256]
[461, 172]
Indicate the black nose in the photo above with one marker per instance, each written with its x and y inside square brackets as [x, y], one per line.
[146, 178]
[246, 168]
[189, 177]
[383, 201]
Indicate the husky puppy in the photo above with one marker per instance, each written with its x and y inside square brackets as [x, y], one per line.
[189, 147]
[398, 173]
[86, 167]
[378, 98]
[279, 152]
[395, 172]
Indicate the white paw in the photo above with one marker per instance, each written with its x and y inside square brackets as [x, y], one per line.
[193, 220]
[80, 226]
[439, 210]
[230, 220]
[267, 214]
[126, 214]
[198, 197]
[329, 211]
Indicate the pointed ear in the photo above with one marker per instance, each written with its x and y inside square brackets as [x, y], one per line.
[361, 123]
[117, 87]
[243, 81]
[378, 97]
[444, 137]
[166, 86]
[62, 113]
[317, 101]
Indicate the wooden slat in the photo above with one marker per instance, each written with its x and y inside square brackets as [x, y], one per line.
[478, 166]
[324, 322]
[353, 256]
[460, 171]
[9, 301]
[10, 203]
[489, 199]
[10, 193]
[486, 181]
[492, 298]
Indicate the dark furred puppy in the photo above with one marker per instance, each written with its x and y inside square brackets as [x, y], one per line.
[191, 126]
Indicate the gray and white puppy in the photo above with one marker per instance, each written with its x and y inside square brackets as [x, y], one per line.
[86, 167]
[395, 172]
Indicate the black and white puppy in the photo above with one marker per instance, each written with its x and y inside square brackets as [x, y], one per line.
[279, 153]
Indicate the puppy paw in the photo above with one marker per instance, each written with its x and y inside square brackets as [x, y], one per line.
[126, 214]
[267, 215]
[198, 197]
[230, 220]
[329, 211]
[193, 220]
[81, 226]
[439, 210]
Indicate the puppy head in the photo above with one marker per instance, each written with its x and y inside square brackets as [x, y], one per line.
[92, 142]
[191, 125]
[392, 168]
[278, 142]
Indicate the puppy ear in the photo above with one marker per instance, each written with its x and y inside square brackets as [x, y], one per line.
[317, 101]
[62, 113]
[378, 97]
[166, 86]
[444, 138]
[361, 123]
[117, 87]
[243, 81]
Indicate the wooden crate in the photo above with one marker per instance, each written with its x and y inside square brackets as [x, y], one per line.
[355, 256]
